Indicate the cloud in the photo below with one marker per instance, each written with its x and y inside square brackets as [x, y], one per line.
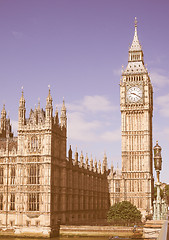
[163, 105]
[159, 79]
[17, 35]
[93, 104]
[98, 104]
[111, 136]
[88, 122]
[81, 129]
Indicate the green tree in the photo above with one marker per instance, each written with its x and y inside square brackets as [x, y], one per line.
[167, 193]
[124, 213]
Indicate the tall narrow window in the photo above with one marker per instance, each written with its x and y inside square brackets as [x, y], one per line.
[1, 175]
[34, 144]
[12, 202]
[12, 174]
[33, 174]
[33, 201]
[1, 201]
[117, 186]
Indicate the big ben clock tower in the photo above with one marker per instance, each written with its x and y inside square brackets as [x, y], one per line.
[136, 103]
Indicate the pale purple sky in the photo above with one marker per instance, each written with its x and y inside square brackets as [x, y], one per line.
[78, 47]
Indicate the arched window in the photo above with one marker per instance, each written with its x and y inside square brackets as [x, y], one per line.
[1, 175]
[12, 202]
[33, 202]
[12, 175]
[33, 174]
[34, 144]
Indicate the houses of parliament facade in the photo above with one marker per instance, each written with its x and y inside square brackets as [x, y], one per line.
[41, 185]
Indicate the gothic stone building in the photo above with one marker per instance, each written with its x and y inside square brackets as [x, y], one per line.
[39, 185]
[135, 181]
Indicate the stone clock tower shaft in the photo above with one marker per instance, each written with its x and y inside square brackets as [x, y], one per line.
[136, 103]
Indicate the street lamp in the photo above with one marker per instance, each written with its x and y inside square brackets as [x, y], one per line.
[157, 160]
[159, 206]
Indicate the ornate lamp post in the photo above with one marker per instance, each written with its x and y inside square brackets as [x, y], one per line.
[157, 165]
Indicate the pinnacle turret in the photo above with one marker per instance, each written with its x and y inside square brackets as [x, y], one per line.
[49, 99]
[86, 161]
[76, 157]
[104, 165]
[63, 118]
[99, 167]
[22, 100]
[81, 159]
[3, 119]
[95, 165]
[91, 163]
[49, 108]
[22, 110]
[3, 112]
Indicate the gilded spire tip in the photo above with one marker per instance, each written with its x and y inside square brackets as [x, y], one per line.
[135, 22]
[22, 90]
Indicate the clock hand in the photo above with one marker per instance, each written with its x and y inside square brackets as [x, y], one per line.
[136, 95]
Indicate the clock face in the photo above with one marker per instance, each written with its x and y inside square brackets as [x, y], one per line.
[134, 94]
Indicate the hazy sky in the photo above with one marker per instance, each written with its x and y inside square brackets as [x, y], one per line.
[78, 47]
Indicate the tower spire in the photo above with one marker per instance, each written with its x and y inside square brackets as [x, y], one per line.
[135, 46]
[136, 56]
[135, 22]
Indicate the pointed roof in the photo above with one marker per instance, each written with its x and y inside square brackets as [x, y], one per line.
[49, 97]
[63, 105]
[22, 99]
[135, 60]
[81, 157]
[3, 112]
[135, 46]
[38, 103]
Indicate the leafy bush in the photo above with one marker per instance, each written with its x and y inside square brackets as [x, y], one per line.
[124, 213]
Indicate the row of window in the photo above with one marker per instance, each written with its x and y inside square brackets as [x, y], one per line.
[134, 78]
[135, 57]
[33, 176]
[33, 202]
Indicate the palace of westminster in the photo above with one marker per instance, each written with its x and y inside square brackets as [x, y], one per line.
[40, 184]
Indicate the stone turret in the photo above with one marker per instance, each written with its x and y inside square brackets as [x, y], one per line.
[86, 161]
[49, 108]
[3, 119]
[22, 110]
[5, 130]
[95, 165]
[99, 167]
[63, 117]
[76, 157]
[81, 159]
[91, 163]
[104, 165]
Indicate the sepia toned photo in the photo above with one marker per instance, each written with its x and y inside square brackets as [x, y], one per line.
[84, 130]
